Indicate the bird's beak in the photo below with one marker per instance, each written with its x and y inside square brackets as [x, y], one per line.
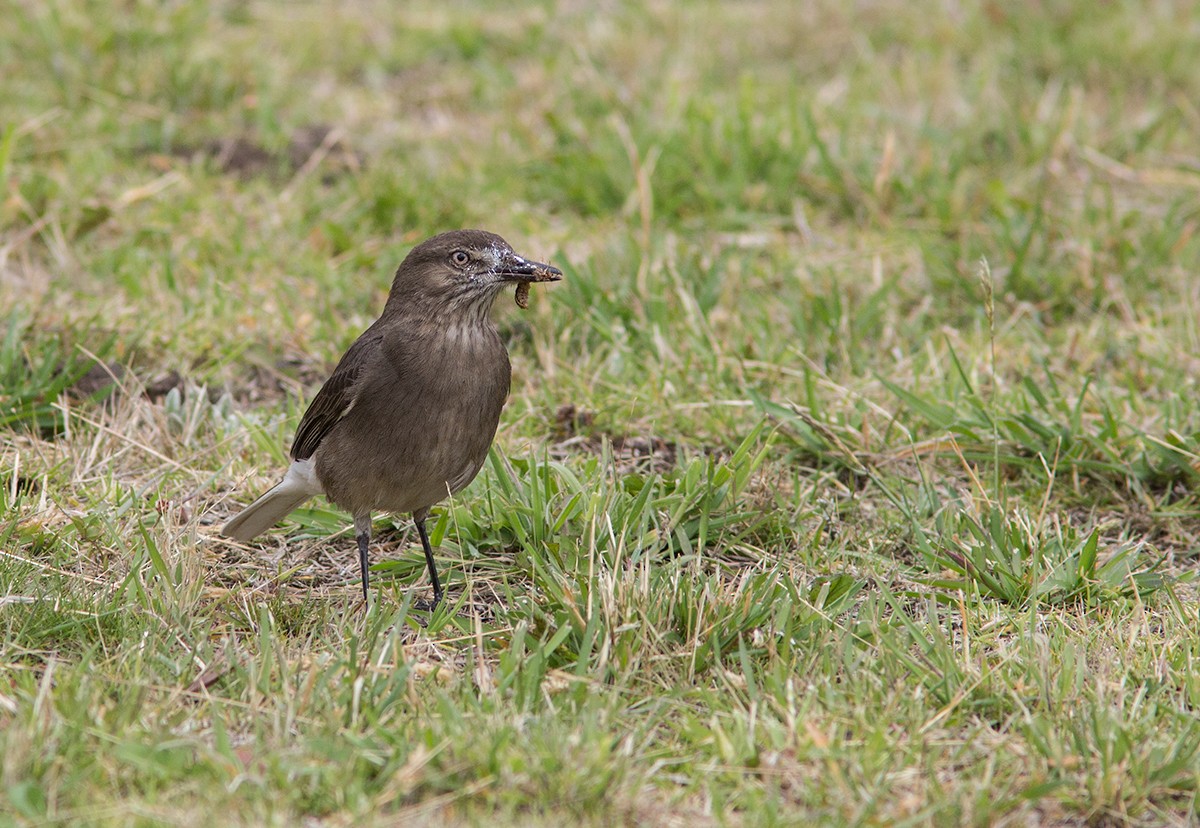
[513, 268]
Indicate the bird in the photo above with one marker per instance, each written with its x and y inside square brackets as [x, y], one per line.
[409, 413]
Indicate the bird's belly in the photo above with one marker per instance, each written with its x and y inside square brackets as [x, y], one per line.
[400, 489]
[399, 466]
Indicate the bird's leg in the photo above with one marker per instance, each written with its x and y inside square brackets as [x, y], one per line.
[437, 587]
[362, 533]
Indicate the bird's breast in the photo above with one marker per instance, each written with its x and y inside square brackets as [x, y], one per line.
[421, 429]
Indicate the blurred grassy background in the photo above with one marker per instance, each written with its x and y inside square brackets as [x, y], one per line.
[849, 477]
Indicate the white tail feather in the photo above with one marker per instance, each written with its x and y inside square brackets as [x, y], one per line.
[297, 486]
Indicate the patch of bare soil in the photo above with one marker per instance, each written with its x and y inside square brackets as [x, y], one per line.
[293, 374]
[574, 431]
[261, 383]
[104, 377]
[310, 147]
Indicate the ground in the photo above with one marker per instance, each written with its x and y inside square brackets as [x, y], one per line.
[850, 476]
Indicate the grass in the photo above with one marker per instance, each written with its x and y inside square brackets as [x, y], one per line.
[850, 476]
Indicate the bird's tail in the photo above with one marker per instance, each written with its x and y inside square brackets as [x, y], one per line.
[297, 486]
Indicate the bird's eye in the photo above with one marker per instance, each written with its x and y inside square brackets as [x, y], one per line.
[460, 257]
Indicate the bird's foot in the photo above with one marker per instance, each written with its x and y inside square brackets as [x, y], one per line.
[421, 605]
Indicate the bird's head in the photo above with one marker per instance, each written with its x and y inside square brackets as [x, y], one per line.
[461, 272]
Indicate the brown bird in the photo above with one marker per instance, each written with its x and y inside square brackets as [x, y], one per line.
[409, 413]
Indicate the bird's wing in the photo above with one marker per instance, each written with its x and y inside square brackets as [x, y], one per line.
[336, 397]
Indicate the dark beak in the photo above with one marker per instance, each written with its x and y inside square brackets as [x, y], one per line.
[516, 269]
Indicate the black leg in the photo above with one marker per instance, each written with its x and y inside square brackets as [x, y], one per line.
[437, 587]
[364, 562]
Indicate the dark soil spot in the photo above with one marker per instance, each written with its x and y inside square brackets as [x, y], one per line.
[574, 431]
[314, 145]
[24, 486]
[321, 143]
[238, 155]
[163, 384]
[569, 421]
[287, 376]
[100, 377]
